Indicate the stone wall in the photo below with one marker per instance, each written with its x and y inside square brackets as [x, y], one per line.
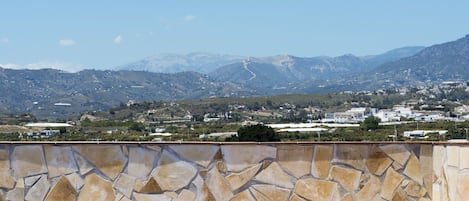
[248, 171]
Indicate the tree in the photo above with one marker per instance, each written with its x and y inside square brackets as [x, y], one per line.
[257, 133]
[371, 123]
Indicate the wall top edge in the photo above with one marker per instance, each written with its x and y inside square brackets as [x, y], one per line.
[222, 143]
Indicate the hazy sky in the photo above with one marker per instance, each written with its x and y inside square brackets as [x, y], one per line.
[103, 34]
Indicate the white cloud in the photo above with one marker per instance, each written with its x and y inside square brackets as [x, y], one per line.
[69, 67]
[66, 42]
[189, 18]
[4, 40]
[118, 39]
[10, 65]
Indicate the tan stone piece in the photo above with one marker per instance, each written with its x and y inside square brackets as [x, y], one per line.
[452, 177]
[322, 161]
[172, 195]
[391, 183]
[348, 178]
[463, 154]
[62, 191]
[185, 195]
[347, 197]
[124, 184]
[240, 157]
[236, 180]
[109, 159]
[200, 154]
[97, 189]
[294, 159]
[463, 190]
[17, 193]
[76, 181]
[243, 196]
[172, 173]
[39, 190]
[313, 189]
[397, 166]
[352, 155]
[424, 199]
[259, 196]
[399, 195]
[426, 162]
[218, 186]
[151, 197]
[141, 162]
[414, 189]
[412, 169]
[59, 160]
[439, 153]
[295, 197]
[452, 154]
[203, 193]
[6, 180]
[275, 175]
[151, 186]
[83, 164]
[371, 188]
[273, 193]
[378, 161]
[28, 160]
[398, 152]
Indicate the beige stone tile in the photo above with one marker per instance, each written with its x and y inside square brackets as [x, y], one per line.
[83, 164]
[348, 178]
[59, 160]
[313, 189]
[463, 154]
[378, 161]
[414, 189]
[236, 180]
[141, 162]
[29, 181]
[185, 195]
[354, 156]
[295, 197]
[371, 188]
[412, 169]
[200, 154]
[39, 190]
[452, 155]
[390, 184]
[96, 188]
[218, 186]
[109, 159]
[347, 197]
[452, 177]
[202, 193]
[76, 181]
[426, 162]
[62, 191]
[6, 180]
[275, 175]
[322, 158]
[398, 152]
[272, 192]
[463, 186]
[28, 160]
[240, 157]
[439, 154]
[151, 197]
[399, 195]
[259, 196]
[295, 159]
[243, 196]
[172, 173]
[124, 184]
[17, 193]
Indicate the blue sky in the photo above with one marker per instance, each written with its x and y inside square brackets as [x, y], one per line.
[103, 34]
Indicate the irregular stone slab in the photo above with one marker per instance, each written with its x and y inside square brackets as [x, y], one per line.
[399, 195]
[295, 160]
[414, 189]
[109, 159]
[351, 155]
[275, 175]
[397, 166]
[412, 169]
[28, 160]
[96, 188]
[243, 196]
[426, 162]
[313, 189]
[83, 164]
[124, 184]
[378, 161]
[371, 188]
[273, 193]
[6, 180]
[154, 147]
[322, 161]
[452, 177]
[390, 184]
[463, 190]
[200, 154]
[29, 181]
[240, 157]
[76, 181]
[463, 153]
[203, 193]
[348, 178]
[172, 195]
[452, 154]
[62, 191]
[141, 162]
[59, 160]
[150, 187]
[17, 193]
[185, 195]
[295, 197]
[236, 180]
[218, 186]
[258, 196]
[173, 174]
[397, 152]
[347, 197]
[444, 188]
[439, 153]
[39, 190]
[151, 197]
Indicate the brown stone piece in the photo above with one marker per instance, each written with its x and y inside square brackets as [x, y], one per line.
[62, 191]
[371, 188]
[378, 161]
[313, 189]
[272, 192]
[415, 190]
[109, 159]
[200, 154]
[351, 155]
[294, 159]
[243, 196]
[240, 157]
[391, 183]
[97, 189]
[6, 180]
[172, 173]
[412, 169]
[75, 180]
[275, 175]
[185, 195]
[203, 193]
[347, 197]
[218, 186]
[151, 186]
[398, 152]
[399, 195]
[59, 160]
[322, 161]
[28, 160]
[348, 178]
[141, 162]
[237, 180]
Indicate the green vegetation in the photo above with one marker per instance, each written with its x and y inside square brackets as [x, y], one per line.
[255, 133]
